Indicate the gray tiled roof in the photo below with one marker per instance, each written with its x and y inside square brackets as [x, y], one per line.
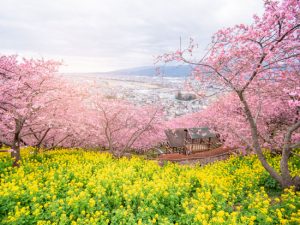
[176, 137]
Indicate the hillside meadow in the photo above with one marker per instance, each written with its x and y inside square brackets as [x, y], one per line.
[81, 187]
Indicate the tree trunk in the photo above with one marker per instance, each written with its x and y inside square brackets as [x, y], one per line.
[116, 153]
[285, 173]
[285, 179]
[286, 153]
[15, 154]
[36, 150]
[256, 145]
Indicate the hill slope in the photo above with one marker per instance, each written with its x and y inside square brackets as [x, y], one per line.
[78, 187]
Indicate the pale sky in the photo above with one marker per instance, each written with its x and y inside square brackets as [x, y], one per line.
[103, 35]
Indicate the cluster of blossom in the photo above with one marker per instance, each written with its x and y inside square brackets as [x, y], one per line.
[39, 108]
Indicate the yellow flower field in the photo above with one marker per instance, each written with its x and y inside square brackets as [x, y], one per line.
[80, 187]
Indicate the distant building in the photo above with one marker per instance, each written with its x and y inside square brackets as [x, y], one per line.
[185, 96]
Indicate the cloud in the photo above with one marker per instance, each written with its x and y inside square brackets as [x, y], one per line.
[103, 35]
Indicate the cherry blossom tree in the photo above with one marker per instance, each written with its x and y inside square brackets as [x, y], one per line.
[273, 116]
[122, 126]
[253, 63]
[61, 124]
[26, 89]
[39, 108]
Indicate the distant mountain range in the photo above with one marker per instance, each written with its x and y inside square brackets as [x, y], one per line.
[168, 71]
[172, 71]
